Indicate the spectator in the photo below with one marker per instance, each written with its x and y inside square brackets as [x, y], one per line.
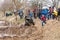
[50, 12]
[43, 19]
[45, 12]
[58, 11]
[55, 14]
[31, 14]
[20, 12]
[59, 14]
[39, 14]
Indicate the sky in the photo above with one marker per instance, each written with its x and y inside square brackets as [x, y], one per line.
[1, 2]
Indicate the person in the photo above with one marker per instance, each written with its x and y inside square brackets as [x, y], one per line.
[45, 12]
[43, 19]
[39, 13]
[34, 13]
[20, 12]
[50, 12]
[55, 14]
[59, 14]
[28, 21]
[31, 14]
[58, 11]
[8, 14]
[14, 11]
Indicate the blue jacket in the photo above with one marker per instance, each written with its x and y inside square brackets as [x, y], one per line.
[31, 14]
[20, 12]
[44, 11]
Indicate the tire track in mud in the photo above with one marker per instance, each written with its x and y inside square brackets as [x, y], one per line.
[37, 34]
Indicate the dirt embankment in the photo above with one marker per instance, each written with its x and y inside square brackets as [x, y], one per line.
[51, 31]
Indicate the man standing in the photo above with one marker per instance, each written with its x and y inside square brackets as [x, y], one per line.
[50, 12]
[20, 12]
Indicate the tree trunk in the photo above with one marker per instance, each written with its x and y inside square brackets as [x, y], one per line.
[4, 12]
[16, 9]
[15, 16]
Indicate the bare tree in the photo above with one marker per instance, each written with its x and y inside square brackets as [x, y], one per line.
[7, 6]
[17, 6]
[11, 5]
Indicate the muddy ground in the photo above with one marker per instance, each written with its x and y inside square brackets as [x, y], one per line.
[51, 31]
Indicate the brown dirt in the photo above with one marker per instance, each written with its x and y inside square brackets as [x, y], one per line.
[51, 31]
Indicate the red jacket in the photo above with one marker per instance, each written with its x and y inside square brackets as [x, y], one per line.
[34, 10]
[43, 18]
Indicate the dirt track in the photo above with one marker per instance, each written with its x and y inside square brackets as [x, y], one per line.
[51, 31]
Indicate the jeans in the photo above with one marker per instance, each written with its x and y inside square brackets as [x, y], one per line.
[50, 16]
[43, 22]
[47, 16]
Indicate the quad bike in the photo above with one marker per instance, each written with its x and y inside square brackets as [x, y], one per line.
[8, 14]
[28, 21]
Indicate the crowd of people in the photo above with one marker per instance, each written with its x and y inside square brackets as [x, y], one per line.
[45, 14]
[42, 14]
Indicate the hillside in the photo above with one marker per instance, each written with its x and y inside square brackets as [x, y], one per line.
[51, 31]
